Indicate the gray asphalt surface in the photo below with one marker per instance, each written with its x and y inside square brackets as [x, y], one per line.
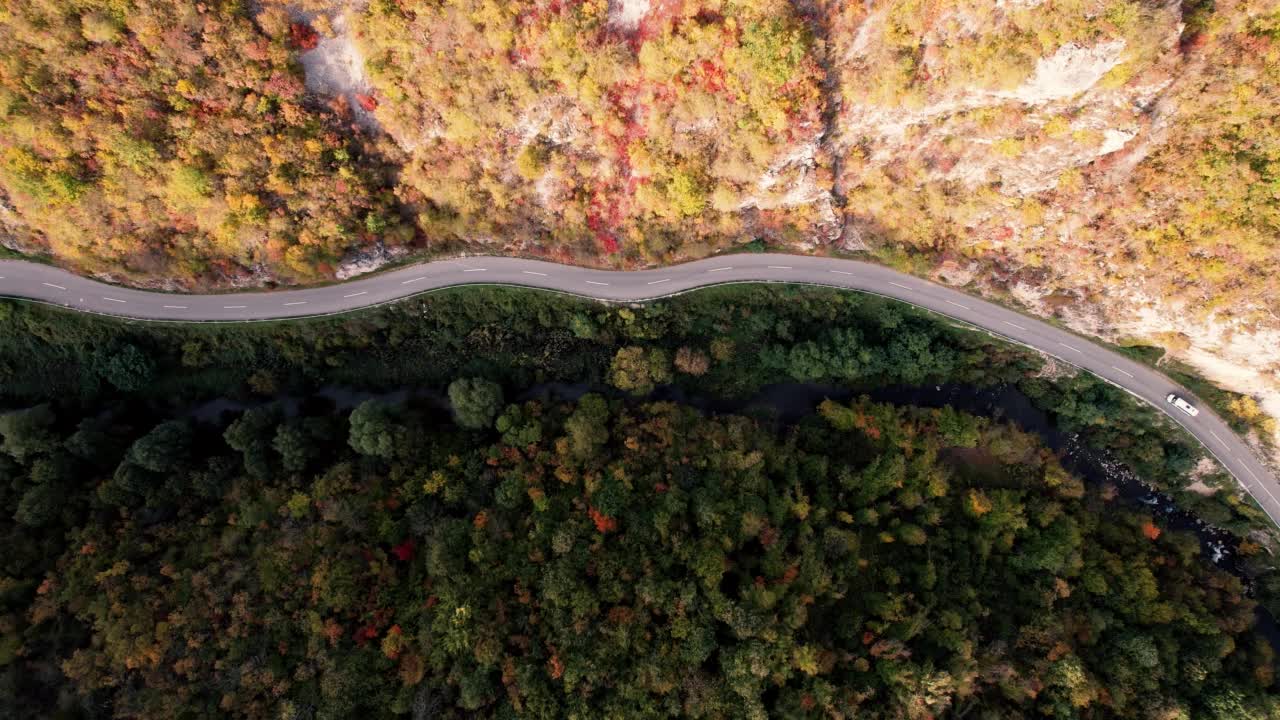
[48, 284]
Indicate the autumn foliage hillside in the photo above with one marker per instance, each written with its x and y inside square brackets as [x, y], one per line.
[1069, 145]
[176, 140]
[530, 121]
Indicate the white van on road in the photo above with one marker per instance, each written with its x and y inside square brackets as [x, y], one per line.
[1182, 405]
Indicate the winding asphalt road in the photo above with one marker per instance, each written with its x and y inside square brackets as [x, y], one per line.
[43, 283]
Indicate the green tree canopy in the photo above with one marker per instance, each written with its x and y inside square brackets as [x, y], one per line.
[638, 370]
[166, 447]
[252, 434]
[475, 401]
[28, 432]
[39, 505]
[374, 431]
[127, 368]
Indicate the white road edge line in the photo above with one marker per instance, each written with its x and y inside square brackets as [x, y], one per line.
[414, 280]
[104, 297]
[966, 307]
[1006, 322]
[1126, 372]
[300, 302]
[53, 286]
[655, 282]
[593, 282]
[530, 272]
[1072, 348]
[362, 292]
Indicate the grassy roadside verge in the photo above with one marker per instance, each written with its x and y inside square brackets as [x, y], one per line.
[10, 254]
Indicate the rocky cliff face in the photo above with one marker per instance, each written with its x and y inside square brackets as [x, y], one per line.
[1112, 164]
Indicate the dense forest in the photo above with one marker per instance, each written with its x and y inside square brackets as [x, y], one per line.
[457, 546]
[724, 342]
[496, 503]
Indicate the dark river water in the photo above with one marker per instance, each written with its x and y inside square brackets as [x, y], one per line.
[786, 403]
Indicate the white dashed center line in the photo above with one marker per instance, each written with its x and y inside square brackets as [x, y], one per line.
[414, 280]
[53, 286]
[175, 307]
[530, 272]
[233, 307]
[1264, 489]
[1255, 477]
[779, 267]
[1126, 372]
[300, 302]
[1006, 322]
[1069, 347]
[719, 269]
[904, 287]
[593, 282]
[655, 282]
[1215, 437]
[840, 272]
[362, 292]
[966, 307]
[114, 300]
[475, 270]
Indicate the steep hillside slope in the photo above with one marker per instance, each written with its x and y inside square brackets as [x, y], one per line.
[175, 141]
[1114, 164]
[655, 131]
